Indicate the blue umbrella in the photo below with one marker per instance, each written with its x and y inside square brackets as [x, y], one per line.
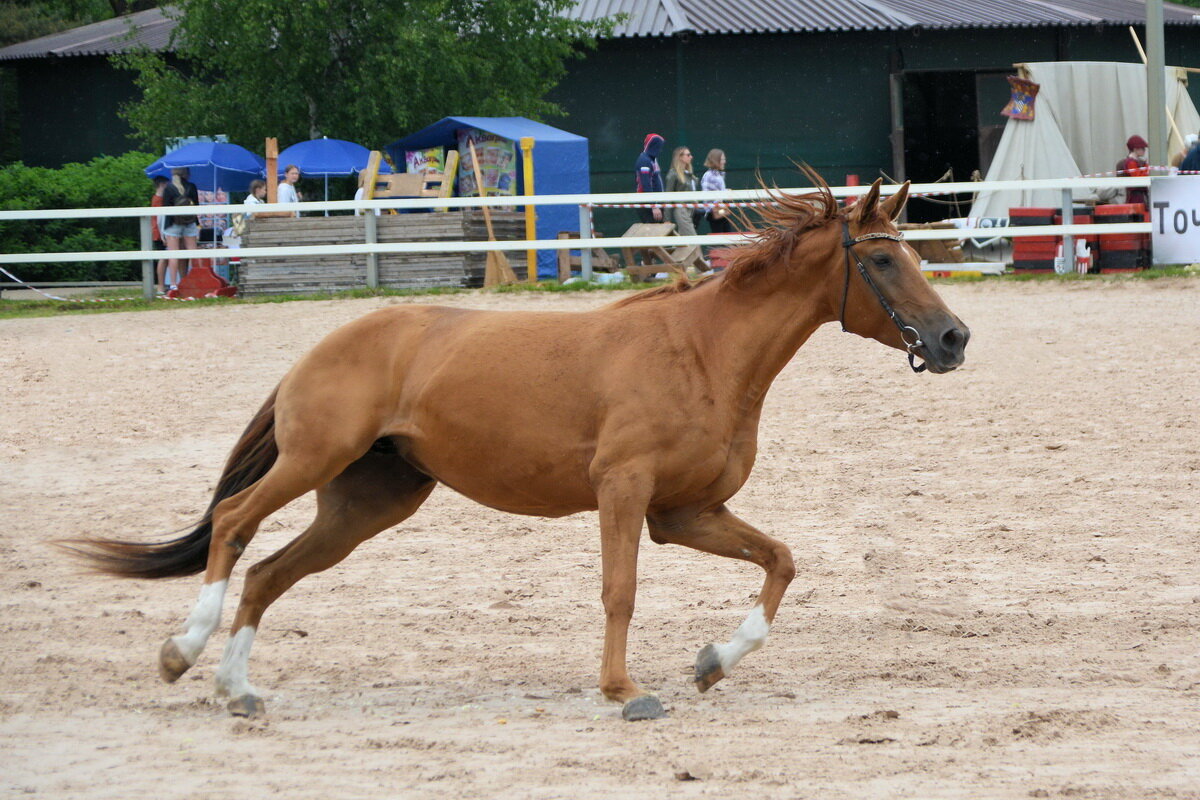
[212, 165]
[325, 157]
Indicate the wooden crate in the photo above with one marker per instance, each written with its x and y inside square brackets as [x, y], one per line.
[331, 273]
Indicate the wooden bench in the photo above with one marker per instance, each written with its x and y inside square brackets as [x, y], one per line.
[656, 258]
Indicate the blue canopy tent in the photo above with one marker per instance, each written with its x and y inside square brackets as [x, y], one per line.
[560, 167]
[212, 166]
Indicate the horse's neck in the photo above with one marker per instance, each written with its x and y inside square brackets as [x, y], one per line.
[753, 331]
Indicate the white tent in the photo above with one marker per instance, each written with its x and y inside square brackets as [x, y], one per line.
[1084, 113]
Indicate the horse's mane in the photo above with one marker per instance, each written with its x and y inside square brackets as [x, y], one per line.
[788, 217]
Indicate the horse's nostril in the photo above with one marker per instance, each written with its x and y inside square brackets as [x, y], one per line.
[953, 339]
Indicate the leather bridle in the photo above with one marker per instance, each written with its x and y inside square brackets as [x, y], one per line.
[848, 244]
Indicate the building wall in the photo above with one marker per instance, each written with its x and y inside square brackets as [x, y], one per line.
[822, 98]
[68, 110]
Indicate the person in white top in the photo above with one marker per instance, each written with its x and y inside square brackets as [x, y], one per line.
[361, 192]
[287, 189]
[233, 234]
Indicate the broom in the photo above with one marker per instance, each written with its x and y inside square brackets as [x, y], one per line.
[498, 270]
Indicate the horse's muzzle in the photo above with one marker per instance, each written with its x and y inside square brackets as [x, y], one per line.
[944, 346]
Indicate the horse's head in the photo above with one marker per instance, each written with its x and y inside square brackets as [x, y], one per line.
[881, 292]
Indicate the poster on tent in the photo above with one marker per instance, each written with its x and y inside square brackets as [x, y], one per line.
[216, 221]
[1175, 219]
[497, 164]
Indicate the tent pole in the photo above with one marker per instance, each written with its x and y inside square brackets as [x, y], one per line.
[1156, 93]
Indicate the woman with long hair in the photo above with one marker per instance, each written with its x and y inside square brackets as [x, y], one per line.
[181, 230]
[714, 181]
[680, 178]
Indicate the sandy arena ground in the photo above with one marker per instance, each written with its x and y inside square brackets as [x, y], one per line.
[998, 597]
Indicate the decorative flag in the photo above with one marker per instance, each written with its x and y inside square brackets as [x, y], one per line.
[1024, 93]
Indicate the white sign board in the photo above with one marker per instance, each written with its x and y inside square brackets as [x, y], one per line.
[1175, 219]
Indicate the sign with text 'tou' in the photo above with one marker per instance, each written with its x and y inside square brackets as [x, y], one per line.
[1175, 219]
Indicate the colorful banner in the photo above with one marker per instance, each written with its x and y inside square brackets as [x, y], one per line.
[1024, 94]
[432, 159]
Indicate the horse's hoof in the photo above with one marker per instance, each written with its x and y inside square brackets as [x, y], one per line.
[171, 663]
[247, 705]
[708, 668]
[645, 707]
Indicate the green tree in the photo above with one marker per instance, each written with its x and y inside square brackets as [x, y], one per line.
[350, 69]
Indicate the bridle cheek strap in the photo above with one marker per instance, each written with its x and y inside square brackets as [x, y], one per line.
[907, 332]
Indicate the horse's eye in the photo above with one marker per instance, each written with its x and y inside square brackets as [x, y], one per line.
[882, 260]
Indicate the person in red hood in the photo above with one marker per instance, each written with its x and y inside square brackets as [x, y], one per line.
[1135, 164]
[649, 176]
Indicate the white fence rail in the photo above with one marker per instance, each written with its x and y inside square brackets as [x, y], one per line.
[585, 203]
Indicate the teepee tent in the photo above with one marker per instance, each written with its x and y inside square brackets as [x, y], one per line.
[1084, 113]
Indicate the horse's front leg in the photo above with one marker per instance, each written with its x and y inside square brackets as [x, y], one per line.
[622, 501]
[723, 534]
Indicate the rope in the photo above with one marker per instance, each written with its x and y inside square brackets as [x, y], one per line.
[15, 279]
[929, 196]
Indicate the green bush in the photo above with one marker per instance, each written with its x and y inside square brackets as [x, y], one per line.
[104, 182]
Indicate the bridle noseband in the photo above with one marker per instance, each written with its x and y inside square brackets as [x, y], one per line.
[848, 244]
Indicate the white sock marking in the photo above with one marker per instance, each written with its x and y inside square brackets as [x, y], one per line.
[749, 636]
[233, 676]
[204, 619]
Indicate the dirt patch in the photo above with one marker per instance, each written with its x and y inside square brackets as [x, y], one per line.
[998, 591]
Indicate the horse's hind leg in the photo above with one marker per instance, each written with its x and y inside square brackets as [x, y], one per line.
[376, 492]
[723, 534]
[235, 521]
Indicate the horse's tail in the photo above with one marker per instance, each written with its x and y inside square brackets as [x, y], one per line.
[252, 456]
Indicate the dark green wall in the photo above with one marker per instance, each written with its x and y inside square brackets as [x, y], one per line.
[821, 98]
[68, 110]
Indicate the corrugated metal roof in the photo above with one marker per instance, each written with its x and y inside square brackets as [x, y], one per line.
[149, 29]
[152, 29]
[660, 17]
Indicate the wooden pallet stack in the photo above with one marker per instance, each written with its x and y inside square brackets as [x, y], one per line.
[332, 273]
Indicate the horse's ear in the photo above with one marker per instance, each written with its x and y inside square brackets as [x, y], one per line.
[867, 206]
[893, 205]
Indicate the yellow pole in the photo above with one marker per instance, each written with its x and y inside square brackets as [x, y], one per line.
[530, 211]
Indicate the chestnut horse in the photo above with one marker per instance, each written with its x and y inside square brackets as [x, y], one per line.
[646, 409]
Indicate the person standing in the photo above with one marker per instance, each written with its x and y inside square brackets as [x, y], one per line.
[361, 192]
[287, 189]
[156, 234]
[1191, 161]
[680, 178]
[180, 231]
[649, 176]
[1135, 164]
[714, 181]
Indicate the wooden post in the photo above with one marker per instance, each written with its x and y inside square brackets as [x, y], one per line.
[369, 219]
[272, 151]
[531, 265]
[272, 169]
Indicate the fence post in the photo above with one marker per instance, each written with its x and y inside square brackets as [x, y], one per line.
[369, 220]
[148, 276]
[1068, 218]
[585, 232]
